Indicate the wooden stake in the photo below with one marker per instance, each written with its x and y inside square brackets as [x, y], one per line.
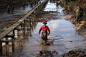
[7, 49]
[13, 41]
[0, 47]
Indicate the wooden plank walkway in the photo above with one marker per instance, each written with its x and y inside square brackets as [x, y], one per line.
[17, 23]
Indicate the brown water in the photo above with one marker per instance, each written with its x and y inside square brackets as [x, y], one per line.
[60, 29]
[18, 11]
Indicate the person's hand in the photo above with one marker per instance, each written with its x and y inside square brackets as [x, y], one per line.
[39, 33]
[48, 33]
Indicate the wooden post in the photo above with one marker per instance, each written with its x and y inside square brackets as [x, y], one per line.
[30, 23]
[19, 34]
[34, 21]
[27, 25]
[21, 25]
[7, 48]
[7, 41]
[0, 47]
[34, 12]
[24, 28]
[34, 25]
[32, 28]
[13, 41]
[30, 32]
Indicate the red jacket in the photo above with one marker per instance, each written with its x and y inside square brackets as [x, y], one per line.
[46, 28]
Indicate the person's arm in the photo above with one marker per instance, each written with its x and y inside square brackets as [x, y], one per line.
[48, 30]
[40, 29]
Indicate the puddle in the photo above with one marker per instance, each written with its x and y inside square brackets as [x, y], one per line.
[50, 7]
[62, 30]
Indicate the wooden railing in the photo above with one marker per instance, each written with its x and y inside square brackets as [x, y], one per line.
[15, 26]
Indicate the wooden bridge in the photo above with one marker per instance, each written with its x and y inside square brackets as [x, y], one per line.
[18, 26]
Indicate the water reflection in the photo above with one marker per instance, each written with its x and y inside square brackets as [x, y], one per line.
[22, 35]
[28, 28]
[50, 6]
[46, 47]
[60, 29]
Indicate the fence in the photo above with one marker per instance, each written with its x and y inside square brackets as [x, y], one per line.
[17, 27]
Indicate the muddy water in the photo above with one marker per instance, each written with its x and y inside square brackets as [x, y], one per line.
[18, 11]
[8, 19]
[61, 29]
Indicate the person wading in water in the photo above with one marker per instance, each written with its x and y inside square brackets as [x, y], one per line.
[45, 31]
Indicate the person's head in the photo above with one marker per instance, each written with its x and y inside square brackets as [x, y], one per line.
[45, 22]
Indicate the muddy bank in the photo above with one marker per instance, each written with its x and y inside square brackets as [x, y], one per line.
[46, 53]
[58, 28]
[53, 53]
[80, 27]
[78, 12]
[76, 7]
[75, 53]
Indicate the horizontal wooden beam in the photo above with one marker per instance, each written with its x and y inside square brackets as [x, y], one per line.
[6, 40]
[18, 28]
[10, 35]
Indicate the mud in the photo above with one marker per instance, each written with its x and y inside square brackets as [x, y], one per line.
[28, 46]
[79, 27]
[8, 19]
[75, 53]
[46, 16]
[46, 53]
[53, 53]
